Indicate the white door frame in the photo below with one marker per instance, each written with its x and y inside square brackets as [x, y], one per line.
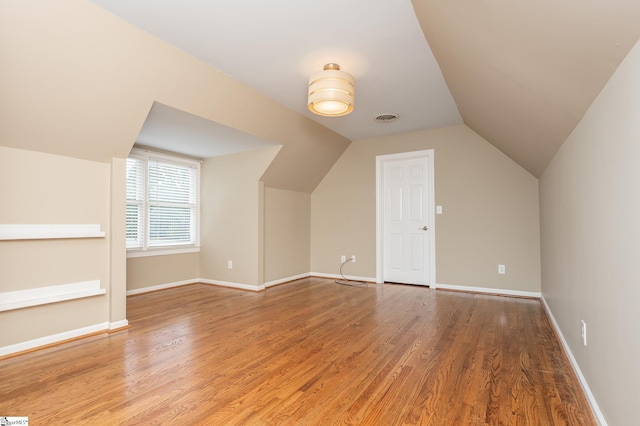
[380, 159]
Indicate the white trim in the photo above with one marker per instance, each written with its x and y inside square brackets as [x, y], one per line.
[146, 156]
[161, 286]
[379, 210]
[583, 381]
[498, 291]
[162, 251]
[349, 277]
[10, 300]
[215, 282]
[118, 324]
[430, 154]
[285, 280]
[49, 231]
[54, 338]
[233, 285]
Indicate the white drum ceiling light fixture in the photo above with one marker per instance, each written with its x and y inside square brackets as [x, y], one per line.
[331, 92]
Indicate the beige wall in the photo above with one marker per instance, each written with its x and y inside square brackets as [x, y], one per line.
[79, 82]
[490, 211]
[150, 271]
[257, 228]
[231, 227]
[117, 243]
[38, 188]
[287, 234]
[231, 214]
[590, 210]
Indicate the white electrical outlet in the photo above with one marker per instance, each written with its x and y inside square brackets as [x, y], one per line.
[438, 209]
[502, 269]
[343, 258]
[229, 264]
[353, 258]
[583, 332]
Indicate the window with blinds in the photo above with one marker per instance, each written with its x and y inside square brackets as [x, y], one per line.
[162, 202]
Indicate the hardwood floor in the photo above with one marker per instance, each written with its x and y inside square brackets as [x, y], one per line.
[307, 353]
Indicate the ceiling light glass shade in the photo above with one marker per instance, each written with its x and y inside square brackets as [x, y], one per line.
[331, 92]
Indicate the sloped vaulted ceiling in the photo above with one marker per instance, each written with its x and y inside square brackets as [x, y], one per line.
[78, 81]
[524, 72]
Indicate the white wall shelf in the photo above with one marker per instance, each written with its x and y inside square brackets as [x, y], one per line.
[10, 300]
[52, 231]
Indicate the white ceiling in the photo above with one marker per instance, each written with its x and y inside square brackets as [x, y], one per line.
[274, 46]
[522, 73]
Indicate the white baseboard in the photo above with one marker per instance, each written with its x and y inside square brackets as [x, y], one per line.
[321, 275]
[54, 338]
[583, 381]
[338, 277]
[286, 280]
[233, 285]
[118, 324]
[161, 286]
[498, 291]
[216, 282]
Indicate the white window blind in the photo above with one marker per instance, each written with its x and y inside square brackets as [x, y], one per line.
[162, 201]
[135, 203]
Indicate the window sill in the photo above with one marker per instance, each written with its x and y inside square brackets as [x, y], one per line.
[162, 251]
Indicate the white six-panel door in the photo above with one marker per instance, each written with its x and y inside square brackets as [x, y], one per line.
[406, 225]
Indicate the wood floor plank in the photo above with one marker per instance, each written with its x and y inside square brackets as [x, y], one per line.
[307, 353]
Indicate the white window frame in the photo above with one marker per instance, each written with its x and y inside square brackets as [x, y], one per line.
[146, 250]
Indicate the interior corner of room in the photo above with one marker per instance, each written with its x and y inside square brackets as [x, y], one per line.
[532, 188]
